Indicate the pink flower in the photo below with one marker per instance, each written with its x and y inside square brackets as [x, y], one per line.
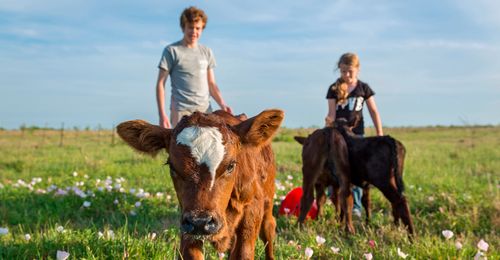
[335, 250]
[372, 243]
[482, 245]
[447, 234]
[309, 252]
[368, 256]
[320, 240]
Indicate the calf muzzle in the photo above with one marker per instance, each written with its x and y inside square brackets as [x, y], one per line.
[200, 224]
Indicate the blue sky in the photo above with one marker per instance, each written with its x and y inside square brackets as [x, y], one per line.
[90, 63]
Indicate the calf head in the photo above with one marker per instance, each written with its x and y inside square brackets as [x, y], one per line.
[204, 164]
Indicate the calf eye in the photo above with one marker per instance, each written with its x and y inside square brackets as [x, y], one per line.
[230, 167]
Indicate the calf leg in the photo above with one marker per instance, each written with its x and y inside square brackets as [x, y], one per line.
[268, 230]
[334, 197]
[320, 197]
[366, 201]
[346, 201]
[400, 207]
[191, 248]
[310, 174]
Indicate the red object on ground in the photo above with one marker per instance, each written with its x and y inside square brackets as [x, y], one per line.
[291, 204]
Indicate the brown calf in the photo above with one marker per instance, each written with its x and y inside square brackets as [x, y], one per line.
[223, 171]
[337, 157]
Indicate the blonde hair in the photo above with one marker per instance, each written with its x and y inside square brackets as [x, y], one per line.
[340, 87]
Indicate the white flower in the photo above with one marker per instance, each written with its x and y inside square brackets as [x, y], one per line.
[110, 234]
[169, 197]
[431, 199]
[479, 256]
[402, 254]
[458, 245]
[60, 229]
[133, 213]
[447, 234]
[159, 194]
[335, 250]
[137, 204]
[368, 256]
[86, 204]
[152, 236]
[75, 174]
[221, 255]
[27, 237]
[309, 252]
[482, 245]
[62, 255]
[290, 177]
[4, 231]
[116, 201]
[100, 234]
[320, 240]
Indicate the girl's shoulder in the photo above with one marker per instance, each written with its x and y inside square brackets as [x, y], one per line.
[364, 89]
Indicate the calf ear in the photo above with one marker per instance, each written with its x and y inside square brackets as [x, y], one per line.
[144, 137]
[300, 139]
[259, 129]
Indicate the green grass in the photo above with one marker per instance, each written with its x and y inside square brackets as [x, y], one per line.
[451, 174]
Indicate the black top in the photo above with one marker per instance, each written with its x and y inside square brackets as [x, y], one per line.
[353, 105]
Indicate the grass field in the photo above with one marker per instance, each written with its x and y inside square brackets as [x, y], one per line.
[88, 194]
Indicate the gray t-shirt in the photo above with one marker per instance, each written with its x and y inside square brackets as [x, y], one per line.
[188, 69]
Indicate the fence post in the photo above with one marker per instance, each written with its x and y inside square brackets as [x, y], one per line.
[62, 135]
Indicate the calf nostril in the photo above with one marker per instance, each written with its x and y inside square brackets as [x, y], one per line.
[204, 225]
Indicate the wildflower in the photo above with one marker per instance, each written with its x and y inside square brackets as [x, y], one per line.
[133, 213]
[335, 250]
[62, 255]
[221, 255]
[86, 204]
[458, 245]
[110, 234]
[431, 198]
[482, 245]
[75, 174]
[320, 240]
[447, 234]
[137, 204]
[159, 194]
[100, 234]
[372, 243]
[402, 254]
[116, 202]
[309, 252]
[4, 231]
[289, 177]
[287, 210]
[169, 197]
[60, 229]
[479, 255]
[368, 256]
[27, 237]
[152, 236]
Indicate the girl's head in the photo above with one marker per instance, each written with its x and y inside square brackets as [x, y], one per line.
[348, 65]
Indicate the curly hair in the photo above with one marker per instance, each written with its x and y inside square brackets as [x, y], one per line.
[192, 15]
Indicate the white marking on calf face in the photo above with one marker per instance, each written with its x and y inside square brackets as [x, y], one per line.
[206, 146]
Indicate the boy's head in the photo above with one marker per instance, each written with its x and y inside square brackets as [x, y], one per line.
[193, 15]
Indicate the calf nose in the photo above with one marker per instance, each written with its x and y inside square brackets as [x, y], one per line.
[200, 224]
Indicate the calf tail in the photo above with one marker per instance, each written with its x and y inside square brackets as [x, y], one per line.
[395, 163]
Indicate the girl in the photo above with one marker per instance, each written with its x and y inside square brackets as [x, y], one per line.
[346, 98]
